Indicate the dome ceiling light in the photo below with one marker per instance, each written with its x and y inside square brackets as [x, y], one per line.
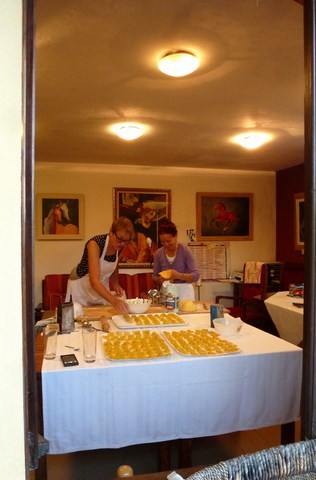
[252, 140]
[128, 131]
[178, 64]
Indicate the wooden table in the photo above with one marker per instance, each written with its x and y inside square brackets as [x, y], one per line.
[164, 448]
[172, 398]
[202, 367]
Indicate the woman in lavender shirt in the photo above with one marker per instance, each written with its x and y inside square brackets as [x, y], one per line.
[177, 259]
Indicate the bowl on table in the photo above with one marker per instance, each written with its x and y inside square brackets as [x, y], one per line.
[228, 325]
[138, 305]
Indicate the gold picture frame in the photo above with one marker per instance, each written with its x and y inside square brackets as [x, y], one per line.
[299, 204]
[224, 216]
[59, 216]
[146, 208]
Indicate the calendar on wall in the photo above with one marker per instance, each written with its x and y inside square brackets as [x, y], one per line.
[212, 259]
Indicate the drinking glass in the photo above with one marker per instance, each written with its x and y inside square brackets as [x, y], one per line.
[50, 340]
[89, 340]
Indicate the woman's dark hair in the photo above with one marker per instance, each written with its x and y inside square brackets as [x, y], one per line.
[167, 227]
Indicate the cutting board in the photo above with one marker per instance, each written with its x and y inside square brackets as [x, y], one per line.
[108, 311]
[95, 313]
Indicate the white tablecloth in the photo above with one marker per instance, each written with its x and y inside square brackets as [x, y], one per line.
[287, 318]
[114, 404]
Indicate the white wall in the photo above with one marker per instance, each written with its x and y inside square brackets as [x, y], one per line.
[12, 454]
[96, 182]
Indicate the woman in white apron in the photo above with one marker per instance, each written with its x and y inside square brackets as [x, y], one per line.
[89, 281]
[176, 260]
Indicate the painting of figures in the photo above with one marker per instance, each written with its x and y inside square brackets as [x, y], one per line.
[146, 208]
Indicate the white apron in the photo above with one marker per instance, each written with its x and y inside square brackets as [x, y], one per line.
[81, 289]
[185, 291]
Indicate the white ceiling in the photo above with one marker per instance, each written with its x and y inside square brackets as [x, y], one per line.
[96, 65]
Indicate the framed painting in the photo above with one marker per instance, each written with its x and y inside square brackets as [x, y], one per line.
[224, 216]
[59, 216]
[299, 221]
[146, 208]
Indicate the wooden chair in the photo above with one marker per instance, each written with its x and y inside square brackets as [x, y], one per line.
[250, 305]
[54, 288]
[136, 285]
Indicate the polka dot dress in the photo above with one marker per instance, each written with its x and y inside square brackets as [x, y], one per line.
[82, 268]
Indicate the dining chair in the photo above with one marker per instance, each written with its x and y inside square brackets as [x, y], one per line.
[296, 461]
[137, 285]
[249, 306]
[145, 283]
[54, 288]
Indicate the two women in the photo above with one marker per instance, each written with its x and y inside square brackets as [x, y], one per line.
[89, 282]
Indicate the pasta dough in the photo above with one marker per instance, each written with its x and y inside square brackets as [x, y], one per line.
[187, 306]
[165, 274]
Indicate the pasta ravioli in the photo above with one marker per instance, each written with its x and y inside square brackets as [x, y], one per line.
[201, 342]
[154, 319]
[138, 345]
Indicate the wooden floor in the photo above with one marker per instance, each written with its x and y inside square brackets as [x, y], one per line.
[102, 464]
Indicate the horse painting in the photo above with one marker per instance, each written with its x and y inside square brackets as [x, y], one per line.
[58, 220]
[223, 219]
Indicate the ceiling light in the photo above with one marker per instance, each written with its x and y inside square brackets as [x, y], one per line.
[178, 64]
[252, 140]
[128, 131]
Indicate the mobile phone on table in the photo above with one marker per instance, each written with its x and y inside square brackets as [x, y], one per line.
[69, 360]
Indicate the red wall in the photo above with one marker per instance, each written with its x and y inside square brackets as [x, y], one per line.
[288, 182]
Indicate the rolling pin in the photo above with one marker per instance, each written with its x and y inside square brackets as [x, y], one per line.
[105, 324]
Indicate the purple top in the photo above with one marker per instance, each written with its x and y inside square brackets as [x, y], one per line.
[183, 263]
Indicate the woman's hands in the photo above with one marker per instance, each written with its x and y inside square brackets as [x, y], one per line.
[171, 275]
[174, 275]
[119, 305]
[119, 291]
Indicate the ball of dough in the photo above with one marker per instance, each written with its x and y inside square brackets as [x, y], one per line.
[187, 306]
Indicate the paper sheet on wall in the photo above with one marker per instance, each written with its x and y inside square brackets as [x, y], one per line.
[212, 259]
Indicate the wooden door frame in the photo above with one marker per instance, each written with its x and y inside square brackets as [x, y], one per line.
[27, 217]
[27, 240]
[309, 350]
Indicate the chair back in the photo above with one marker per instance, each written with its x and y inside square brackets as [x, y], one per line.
[54, 288]
[249, 302]
[136, 285]
[250, 290]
